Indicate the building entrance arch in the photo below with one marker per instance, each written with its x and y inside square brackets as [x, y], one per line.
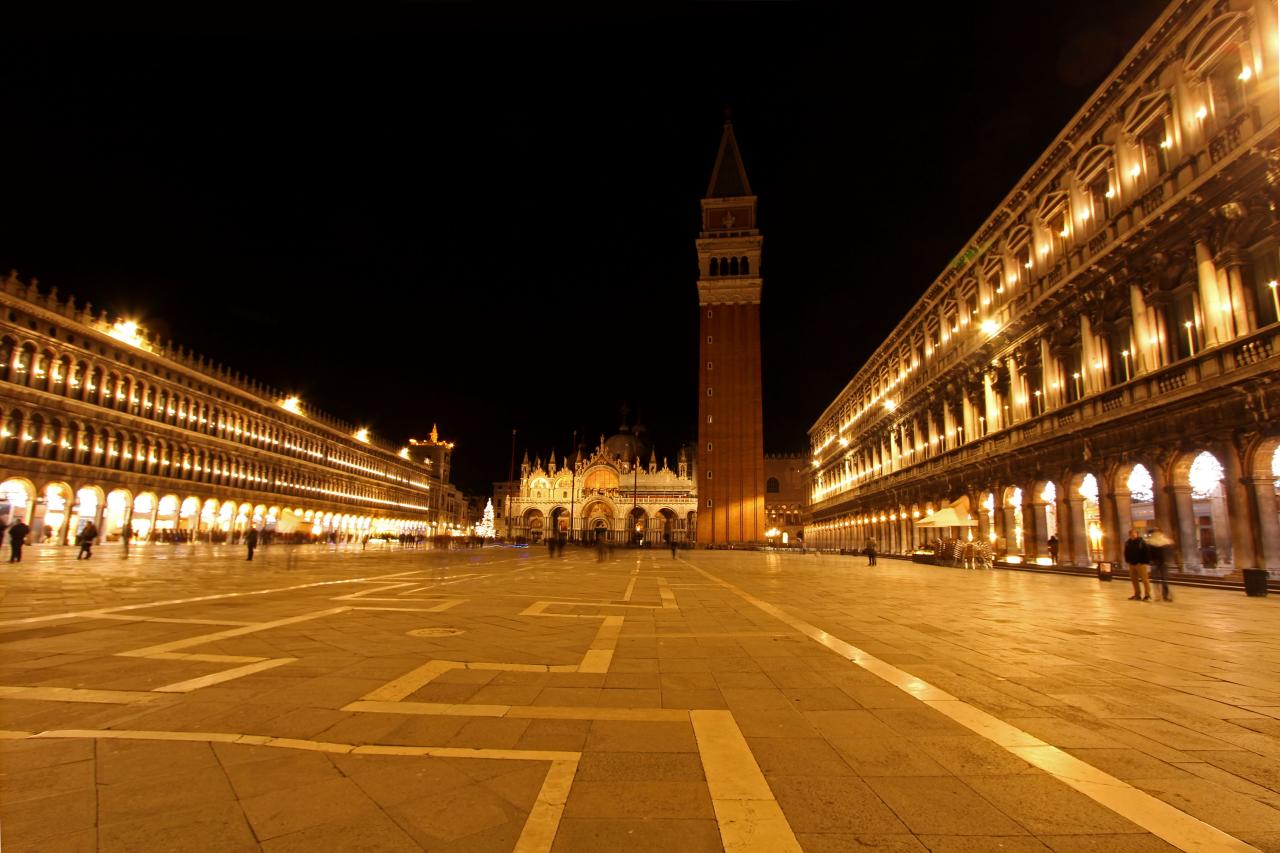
[1204, 523]
[119, 502]
[17, 498]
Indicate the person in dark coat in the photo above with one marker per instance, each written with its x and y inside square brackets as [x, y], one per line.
[1158, 544]
[1053, 548]
[1138, 556]
[870, 551]
[251, 540]
[17, 538]
[86, 539]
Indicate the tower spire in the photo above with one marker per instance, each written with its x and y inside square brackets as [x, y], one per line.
[728, 176]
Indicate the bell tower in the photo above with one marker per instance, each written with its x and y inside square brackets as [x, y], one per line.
[730, 458]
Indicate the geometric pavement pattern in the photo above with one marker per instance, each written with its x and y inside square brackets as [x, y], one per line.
[500, 699]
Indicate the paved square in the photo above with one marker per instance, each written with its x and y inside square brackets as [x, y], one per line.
[503, 700]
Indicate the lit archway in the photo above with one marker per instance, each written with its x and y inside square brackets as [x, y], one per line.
[17, 496]
[119, 502]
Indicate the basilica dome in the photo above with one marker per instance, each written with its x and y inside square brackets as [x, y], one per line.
[629, 444]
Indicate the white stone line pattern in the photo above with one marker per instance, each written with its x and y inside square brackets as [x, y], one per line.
[1154, 815]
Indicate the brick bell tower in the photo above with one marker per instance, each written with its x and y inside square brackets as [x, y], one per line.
[730, 468]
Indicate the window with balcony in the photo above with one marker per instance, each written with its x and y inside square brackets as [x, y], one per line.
[1154, 145]
[1225, 88]
[1101, 197]
[1266, 272]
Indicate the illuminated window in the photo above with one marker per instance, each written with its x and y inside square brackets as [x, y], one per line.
[709, 365]
[708, 392]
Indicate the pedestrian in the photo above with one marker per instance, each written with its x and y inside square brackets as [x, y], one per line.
[672, 540]
[1138, 556]
[601, 549]
[251, 540]
[126, 534]
[870, 550]
[970, 552]
[87, 537]
[551, 546]
[17, 538]
[560, 543]
[1159, 544]
[1053, 548]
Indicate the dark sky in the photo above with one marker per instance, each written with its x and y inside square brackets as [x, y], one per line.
[458, 213]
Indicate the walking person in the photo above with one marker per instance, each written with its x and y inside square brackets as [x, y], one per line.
[126, 534]
[1158, 544]
[1138, 556]
[671, 539]
[85, 540]
[251, 540]
[870, 551]
[1053, 548]
[602, 549]
[17, 538]
[551, 546]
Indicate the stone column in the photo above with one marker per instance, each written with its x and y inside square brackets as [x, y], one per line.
[1033, 524]
[1009, 528]
[1078, 532]
[1188, 540]
[1240, 512]
[1264, 501]
[1114, 528]
[1242, 308]
[1165, 517]
[1034, 536]
[1210, 300]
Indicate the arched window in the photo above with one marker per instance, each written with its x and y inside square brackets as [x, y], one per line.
[745, 266]
[733, 266]
[715, 266]
[771, 486]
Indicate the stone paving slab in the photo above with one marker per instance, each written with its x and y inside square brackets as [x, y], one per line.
[900, 707]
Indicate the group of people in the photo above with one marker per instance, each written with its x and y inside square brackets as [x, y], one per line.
[1145, 558]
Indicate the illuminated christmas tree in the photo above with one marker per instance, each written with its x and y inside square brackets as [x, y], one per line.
[485, 528]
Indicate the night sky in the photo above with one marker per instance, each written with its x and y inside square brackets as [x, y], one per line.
[485, 218]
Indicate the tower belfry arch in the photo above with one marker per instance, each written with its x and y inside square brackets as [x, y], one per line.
[730, 468]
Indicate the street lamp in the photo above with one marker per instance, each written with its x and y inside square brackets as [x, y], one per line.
[1275, 301]
[1191, 343]
[1125, 355]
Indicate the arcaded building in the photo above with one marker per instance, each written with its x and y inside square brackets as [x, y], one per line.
[102, 423]
[1103, 352]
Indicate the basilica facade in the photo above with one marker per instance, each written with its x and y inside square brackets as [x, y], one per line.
[1104, 353]
[619, 491]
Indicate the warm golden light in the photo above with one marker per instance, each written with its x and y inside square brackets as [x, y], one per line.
[289, 404]
[989, 327]
[1201, 113]
[361, 434]
[127, 331]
